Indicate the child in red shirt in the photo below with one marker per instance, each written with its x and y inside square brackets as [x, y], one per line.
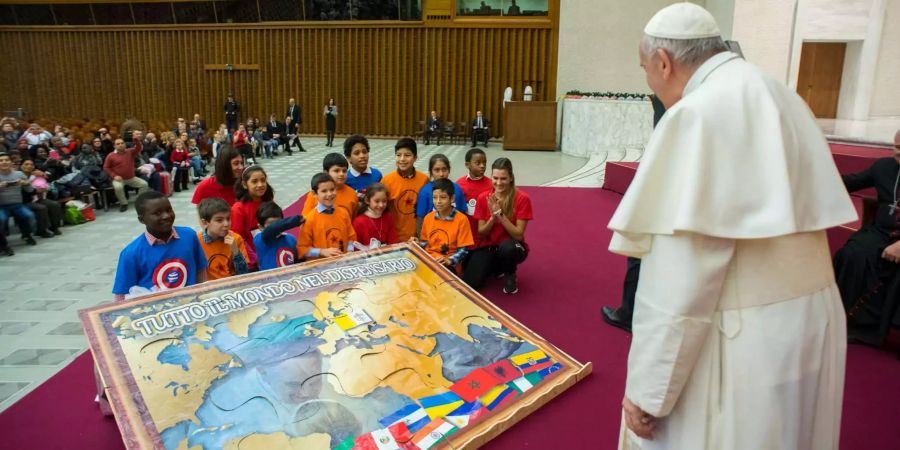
[373, 227]
[474, 184]
[253, 190]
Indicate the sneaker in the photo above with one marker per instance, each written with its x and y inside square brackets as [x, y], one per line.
[7, 251]
[509, 285]
[29, 240]
[45, 234]
[123, 208]
[56, 231]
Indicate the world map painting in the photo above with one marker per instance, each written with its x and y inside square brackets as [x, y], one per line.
[377, 350]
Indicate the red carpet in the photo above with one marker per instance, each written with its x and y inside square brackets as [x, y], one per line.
[562, 286]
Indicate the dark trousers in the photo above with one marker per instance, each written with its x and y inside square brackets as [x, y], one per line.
[181, 178]
[432, 134]
[231, 123]
[629, 289]
[486, 261]
[479, 134]
[330, 126]
[48, 214]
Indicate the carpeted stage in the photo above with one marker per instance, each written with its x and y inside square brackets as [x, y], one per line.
[568, 276]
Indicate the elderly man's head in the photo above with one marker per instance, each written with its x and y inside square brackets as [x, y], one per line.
[677, 40]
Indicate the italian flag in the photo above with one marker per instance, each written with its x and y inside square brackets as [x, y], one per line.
[433, 433]
[523, 384]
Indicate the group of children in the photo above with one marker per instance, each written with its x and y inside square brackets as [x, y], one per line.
[474, 226]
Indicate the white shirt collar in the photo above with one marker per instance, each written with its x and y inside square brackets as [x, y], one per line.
[356, 174]
[707, 68]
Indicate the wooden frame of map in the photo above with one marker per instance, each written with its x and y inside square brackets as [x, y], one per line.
[381, 349]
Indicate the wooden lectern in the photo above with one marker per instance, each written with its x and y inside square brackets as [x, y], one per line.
[529, 126]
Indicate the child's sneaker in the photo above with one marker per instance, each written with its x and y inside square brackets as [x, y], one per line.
[509, 285]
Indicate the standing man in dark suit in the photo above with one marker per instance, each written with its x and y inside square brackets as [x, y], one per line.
[480, 130]
[433, 128]
[292, 127]
[232, 107]
[621, 317]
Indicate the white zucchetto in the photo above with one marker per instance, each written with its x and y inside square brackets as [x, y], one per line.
[682, 21]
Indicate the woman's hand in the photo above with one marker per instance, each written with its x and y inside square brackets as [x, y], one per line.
[639, 422]
[892, 253]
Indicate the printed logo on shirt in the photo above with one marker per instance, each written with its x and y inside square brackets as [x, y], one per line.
[170, 274]
[440, 240]
[219, 263]
[284, 257]
[471, 206]
[406, 202]
[334, 238]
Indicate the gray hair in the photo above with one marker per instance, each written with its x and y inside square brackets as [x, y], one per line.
[687, 52]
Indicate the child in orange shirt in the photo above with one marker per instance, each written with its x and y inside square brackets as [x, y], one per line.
[327, 231]
[225, 251]
[403, 185]
[336, 165]
[446, 234]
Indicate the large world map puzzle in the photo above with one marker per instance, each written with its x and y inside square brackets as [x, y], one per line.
[377, 350]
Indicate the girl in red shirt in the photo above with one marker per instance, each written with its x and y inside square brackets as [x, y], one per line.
[371, 223]
[180, 165]
[252, 191]
[241, 141]
[229, 167]
[502, 215]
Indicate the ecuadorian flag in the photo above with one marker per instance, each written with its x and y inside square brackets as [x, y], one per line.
[441, 404]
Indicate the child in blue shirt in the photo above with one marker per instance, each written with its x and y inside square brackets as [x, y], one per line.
[360, 175]
[164, 256]
[274, 247]
[438, 169]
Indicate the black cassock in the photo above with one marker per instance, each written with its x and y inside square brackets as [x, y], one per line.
[869, 284]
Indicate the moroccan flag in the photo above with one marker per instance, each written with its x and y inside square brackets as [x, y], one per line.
[503, 371]
[412, 415]
[498, 396]
[523, 384]
[475, 384]
[390, 438]
[441, 404]
[434, 433]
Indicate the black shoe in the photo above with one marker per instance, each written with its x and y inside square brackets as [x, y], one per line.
[510, 286]
[7, 251]
[29, 240]
[45, 234]
[302, 149]
[612, 317]
[56, 231]
[123, 208]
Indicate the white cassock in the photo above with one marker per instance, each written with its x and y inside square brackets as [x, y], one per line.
[739, 333]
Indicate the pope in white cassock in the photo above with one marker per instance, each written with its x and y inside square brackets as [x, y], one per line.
[739, 333]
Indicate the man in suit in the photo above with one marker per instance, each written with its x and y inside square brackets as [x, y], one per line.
[275, 133]
[292, 127]
[433, 128]
[231, 108]
[480, 130]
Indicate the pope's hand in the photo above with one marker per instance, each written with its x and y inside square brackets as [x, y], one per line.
[639, 422]
[892, 252]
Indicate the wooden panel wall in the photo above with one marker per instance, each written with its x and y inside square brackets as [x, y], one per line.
[384, 77]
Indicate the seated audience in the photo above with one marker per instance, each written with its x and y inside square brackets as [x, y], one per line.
[119, 165]
[13, 184]
[867, 267]
[503, 215]
[48, 213]
[180, 159]
[480, 130]
[433, 128]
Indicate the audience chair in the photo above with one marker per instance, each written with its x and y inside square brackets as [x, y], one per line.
[419, 133]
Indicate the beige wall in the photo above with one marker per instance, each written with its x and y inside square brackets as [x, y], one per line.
[598, 44]
[764, 28]
[886, 90]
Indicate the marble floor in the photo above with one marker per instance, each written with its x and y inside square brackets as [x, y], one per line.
[43, 287]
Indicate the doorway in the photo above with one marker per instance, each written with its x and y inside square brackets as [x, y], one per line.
[819, 80]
